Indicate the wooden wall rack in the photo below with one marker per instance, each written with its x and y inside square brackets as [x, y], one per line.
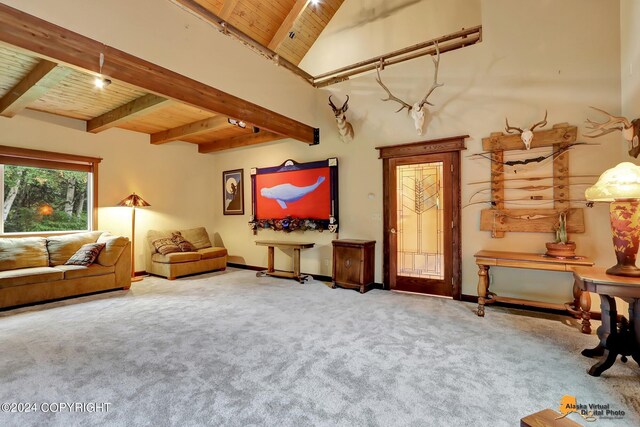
[499, 220]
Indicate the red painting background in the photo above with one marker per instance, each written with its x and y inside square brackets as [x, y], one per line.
[315, 205]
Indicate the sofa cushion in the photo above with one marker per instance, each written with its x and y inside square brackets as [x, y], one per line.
[197, 236]
[165, 246]
[176, 257]
[182, 243]
[61, 248]
[23, 252]
[86, 255]
[77, 271]
[114, 245]
[25, 276]
[208, 253]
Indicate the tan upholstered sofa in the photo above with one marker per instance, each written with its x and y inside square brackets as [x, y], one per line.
[205, 258]
[32, 268]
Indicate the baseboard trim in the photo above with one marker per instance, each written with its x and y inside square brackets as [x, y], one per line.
[245, 266]
[320, 277]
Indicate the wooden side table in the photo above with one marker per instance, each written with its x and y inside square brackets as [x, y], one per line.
[614, 341]
[296, 246]
[580, 307]
[353, 264]
[547, 418]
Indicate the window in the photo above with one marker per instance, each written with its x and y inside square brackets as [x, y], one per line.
[46, 192]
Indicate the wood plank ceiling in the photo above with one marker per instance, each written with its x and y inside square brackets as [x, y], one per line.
[66, 87]
[287, 27]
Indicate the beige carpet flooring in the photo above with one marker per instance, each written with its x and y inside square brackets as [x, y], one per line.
[231, 349]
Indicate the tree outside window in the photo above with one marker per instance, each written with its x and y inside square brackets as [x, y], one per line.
[41, 200]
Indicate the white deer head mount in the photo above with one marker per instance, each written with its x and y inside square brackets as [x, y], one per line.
[630, 130]
[417, 110]
[344, 127]
[527, 134]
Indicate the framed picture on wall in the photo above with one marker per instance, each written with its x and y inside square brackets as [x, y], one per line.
[233, 192]
[295, 196]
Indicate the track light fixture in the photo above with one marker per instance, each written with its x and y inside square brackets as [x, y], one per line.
[238, 123]
[101, 82]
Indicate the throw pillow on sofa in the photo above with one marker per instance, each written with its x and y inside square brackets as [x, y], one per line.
[183, 244]
[86, 255]
[165, 246]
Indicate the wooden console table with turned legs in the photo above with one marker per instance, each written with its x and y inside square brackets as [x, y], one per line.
[580, 306]
[296, 246]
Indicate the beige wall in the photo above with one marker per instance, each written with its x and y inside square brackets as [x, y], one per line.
[568, 60]
[630, 58]
[364, 29]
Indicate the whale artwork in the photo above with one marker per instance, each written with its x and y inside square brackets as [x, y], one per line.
[287, 193]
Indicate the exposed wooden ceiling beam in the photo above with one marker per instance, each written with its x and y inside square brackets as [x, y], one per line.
[287, 24]
[44, 76]
[227, 8]
[239, 141]
[144, 105]
[191, 129]
[54, 42]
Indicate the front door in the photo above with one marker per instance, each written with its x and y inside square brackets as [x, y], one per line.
[422, 223]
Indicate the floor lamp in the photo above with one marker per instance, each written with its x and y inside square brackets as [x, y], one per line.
[133, 201]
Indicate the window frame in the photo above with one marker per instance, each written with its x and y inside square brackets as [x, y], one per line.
[51, 160]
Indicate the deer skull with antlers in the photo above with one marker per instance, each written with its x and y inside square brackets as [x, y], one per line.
[630, 130]
[527, 134]
[418, 109]
[344, 127]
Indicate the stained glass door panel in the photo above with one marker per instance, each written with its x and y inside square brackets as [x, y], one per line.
[420, 224]
[420, 219]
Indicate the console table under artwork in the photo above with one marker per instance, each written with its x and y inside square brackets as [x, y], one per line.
[296, 246]
[579, 307]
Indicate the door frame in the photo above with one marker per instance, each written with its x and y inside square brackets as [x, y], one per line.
[451, 145]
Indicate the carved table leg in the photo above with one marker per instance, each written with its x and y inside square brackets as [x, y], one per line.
[483, 284]
[270, 260]
[634, 329]
[608, 334]
[296, 263]
[585, 309]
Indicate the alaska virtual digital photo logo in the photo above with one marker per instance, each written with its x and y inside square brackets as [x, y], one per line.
[590, 411]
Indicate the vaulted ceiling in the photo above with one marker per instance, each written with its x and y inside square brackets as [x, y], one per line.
[48, 68]
[287, 27]
[38, 75]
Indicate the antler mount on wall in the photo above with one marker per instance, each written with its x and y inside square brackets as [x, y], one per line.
[417, 110]
[344, 127]
[630, 130]
[498, 219]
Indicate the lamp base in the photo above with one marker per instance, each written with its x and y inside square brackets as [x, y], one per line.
[624, 270]
[136, 278]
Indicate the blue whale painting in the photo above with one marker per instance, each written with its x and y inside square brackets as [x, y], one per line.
[287, 193]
